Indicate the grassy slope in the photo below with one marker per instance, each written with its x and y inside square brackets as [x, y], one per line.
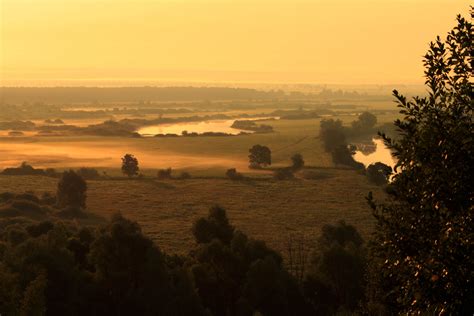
[265, 209]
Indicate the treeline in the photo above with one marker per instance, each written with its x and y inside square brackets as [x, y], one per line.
[130, 94]
[18, 95]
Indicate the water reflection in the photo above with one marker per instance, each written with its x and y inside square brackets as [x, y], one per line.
[377, 152]
[216, 126]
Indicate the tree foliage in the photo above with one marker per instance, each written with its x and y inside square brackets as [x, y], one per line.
[130, 165]
[71, 190]
[332, 134]
[297, 162]
[365, 122]
[260, 156]
[424, 243]
[236, 275]
[336, 279]
[379, 173]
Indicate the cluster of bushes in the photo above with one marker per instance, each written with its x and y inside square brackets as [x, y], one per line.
[167, 174]
[26, 169]
[288, 173]
[164, 174]
[69, 201]
[25, 205]
[59, 267]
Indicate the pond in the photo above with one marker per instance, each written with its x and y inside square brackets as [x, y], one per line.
[375, 152]
[216, 126]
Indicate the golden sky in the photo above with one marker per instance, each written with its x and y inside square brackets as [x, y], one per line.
[317, 41]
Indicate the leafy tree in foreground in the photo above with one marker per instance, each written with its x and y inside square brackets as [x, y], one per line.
[424, 245]
[130, 165]
[260, 156]
[71, 190]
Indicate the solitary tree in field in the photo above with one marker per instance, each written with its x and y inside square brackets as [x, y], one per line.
[424, 245]
[260, 156]
[71, 190]
[130, 165]
[297, 162]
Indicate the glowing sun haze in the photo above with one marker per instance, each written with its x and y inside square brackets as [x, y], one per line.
[320, 41]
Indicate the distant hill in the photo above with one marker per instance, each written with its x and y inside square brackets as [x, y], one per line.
[17, 95]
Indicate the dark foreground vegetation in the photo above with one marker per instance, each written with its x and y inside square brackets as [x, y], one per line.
[419, 261]
[52, 263]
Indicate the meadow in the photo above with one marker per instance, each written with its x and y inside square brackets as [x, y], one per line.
[265, 209]
[262, 207]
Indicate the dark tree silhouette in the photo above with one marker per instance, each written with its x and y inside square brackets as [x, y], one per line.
[259, 156]
[164, 173]
[424, 243]
[236, 275]
[332, 134]
[379, 173]
[71, 190]
[343, 155]
[233, 174]
[130, 165]
[297, 162]
[215, 226]
[365, 122]
[336, 278]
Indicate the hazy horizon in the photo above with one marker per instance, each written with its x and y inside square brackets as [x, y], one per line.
[53, 43]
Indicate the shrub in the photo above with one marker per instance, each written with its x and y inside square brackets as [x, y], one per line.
[297, 162]
[232, 174]
[283, 174]
[164, 174]
[71, 190]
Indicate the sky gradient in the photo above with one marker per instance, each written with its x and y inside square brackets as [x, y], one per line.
[319, 41]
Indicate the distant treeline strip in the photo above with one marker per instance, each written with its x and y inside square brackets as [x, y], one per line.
[129, 94]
